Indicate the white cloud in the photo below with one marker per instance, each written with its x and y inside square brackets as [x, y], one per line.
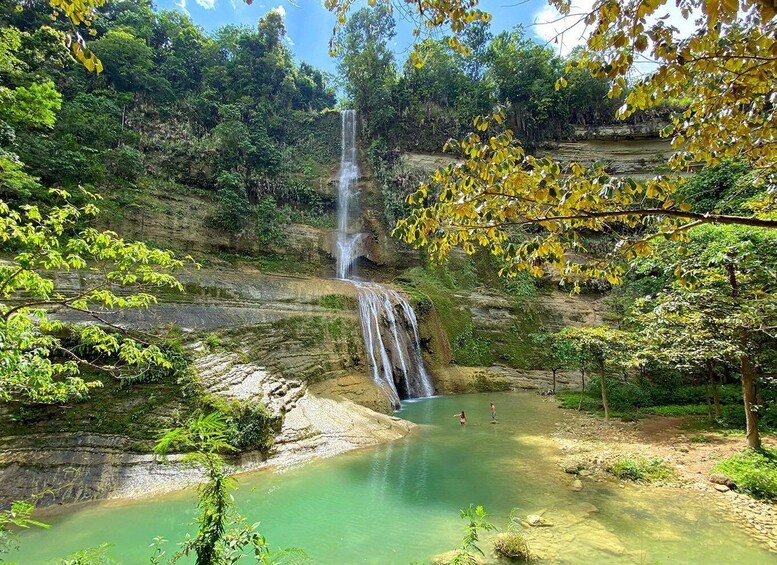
[182, 6]
[207, 4]
[565, 33]
[280, 9]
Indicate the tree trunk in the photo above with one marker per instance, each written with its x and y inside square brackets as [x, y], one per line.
[582, 389]
[715, 396]
[751, 402]
[749, 393]
[604, 397]
[709, 402]
[554, 380]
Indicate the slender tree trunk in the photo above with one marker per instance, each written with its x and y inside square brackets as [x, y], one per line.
[604, 396]
[715, 395]
[554, 380]
[709, 401]
[749, 394]
[582, 389]
[751, 402]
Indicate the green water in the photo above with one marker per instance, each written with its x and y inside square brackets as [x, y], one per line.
[399, 503]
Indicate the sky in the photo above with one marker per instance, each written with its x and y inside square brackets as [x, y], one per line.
[309, 24]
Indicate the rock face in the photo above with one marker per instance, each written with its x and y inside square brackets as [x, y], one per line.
[219, 298]
[291, 343]
[180, 221]
[67, 468]
[306, 372]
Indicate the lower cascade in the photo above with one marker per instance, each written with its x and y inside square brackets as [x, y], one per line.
[390, 331]
[389, 324]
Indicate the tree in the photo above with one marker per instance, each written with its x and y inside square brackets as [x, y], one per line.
[45, 231]
[128, 60]
[223, 535]
[77, 14]
[604, 348]
[41, 359]
[721, 308]
[555, 351]
[525, 73]
[725, 71]
[367, 64]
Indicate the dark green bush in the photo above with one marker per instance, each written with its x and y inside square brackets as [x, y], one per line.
[470, 349]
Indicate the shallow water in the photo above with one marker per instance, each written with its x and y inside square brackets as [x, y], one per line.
[399, 502]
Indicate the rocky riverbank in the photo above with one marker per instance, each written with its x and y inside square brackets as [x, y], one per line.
[68, 468]
[589, 446]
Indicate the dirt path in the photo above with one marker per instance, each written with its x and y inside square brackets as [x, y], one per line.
[590, 444]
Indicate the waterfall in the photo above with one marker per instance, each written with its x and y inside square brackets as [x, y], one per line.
[348, 245]
[389, 324]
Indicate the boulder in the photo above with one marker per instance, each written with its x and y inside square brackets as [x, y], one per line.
[536, 521]
[721, 479]
[577, 486]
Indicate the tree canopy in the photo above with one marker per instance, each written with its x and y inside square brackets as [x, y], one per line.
[724, 72]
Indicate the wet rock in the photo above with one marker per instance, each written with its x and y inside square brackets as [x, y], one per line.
[720, 479]
[536, 521]
[572, 470]
[577, 486]
[721, 488]
[585, 473]
[587, 507]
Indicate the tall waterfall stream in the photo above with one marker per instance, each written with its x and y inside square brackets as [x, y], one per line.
[389, 325]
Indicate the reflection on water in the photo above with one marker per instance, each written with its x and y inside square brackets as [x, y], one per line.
[399, 502]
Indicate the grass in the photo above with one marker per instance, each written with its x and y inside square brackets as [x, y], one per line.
[337, 302]
[512, 546]
[213, 341]
[137, 412]
[754, 472]
[642, 470]
[472, 345]
[677, 410]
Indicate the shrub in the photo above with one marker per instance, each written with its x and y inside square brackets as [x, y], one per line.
[483, 382]
[641, 470]
[125, 163]
[232, 211]
[212, 341]
[269, 220]
[512, 545]
[471, 349]
[754, 472]
[626, 396]
[248, 426]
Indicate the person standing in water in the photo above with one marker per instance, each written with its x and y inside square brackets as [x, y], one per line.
[493, 413]
[462, 418]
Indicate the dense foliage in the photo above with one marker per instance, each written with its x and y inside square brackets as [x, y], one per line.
[435, 97]
[173, 108]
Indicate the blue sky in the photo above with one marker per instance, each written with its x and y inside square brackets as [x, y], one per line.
[309, 24]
